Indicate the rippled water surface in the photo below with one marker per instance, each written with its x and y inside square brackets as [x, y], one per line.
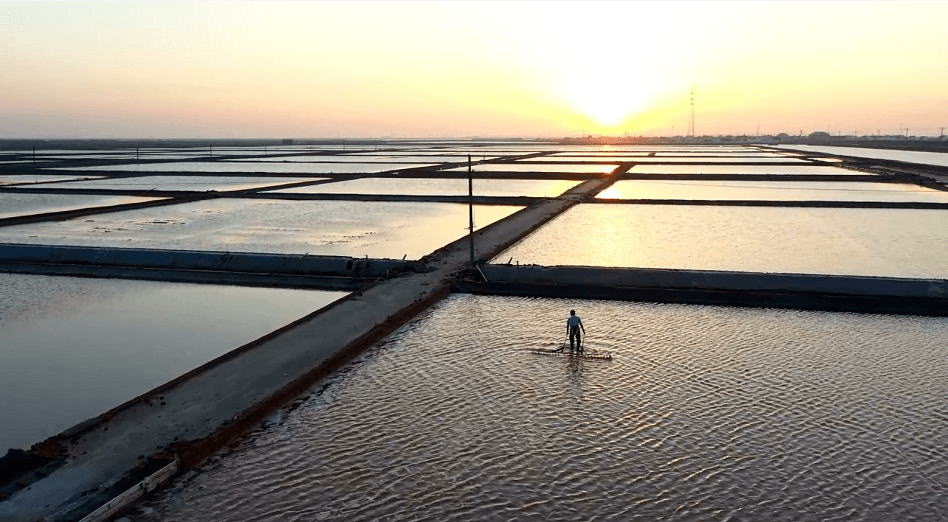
[721, 159]
[12, 204]
[339, 228]
[534, 167]
[218, 183]
[880, 242]
[87, 156]
[143, 155]
[262, 166]
[728, 154]
[633, 156]
[38, 178]
[743, 169]
[620, 148]
[439, 187]
[333, 158]
[630, 156]
[385, 158]
[423, 153]
[72, 348]
[706, 413]
[771, 191]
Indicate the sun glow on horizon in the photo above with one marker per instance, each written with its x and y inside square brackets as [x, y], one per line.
[608, 104]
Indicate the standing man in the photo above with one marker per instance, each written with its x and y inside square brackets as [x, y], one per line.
[573, 325]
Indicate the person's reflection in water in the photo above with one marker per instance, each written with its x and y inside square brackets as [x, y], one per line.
[574, 374]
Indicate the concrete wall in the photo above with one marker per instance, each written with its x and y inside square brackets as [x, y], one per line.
[286, 264]
[585, 276]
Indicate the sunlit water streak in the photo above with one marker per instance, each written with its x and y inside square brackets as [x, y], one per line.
[199, 183]
[744, 169]
[342, 228]
[362, 157]
[26, 204]
[845, 241]
[706, 413]
[535, 167]
[771, 190]
[21, 179]
[439, 187]
[910, 156]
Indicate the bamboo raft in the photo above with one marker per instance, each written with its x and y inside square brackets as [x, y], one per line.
[603, 356]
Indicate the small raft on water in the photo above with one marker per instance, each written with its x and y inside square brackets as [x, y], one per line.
[604, 356]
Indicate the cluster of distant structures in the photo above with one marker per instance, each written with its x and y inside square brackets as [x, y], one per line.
[825, 138]
[894, 141]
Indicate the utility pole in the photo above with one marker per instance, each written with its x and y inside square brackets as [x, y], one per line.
[470, 208]
[691, 119]
[942, 135]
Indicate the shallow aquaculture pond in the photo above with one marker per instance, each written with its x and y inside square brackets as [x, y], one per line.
[705, 413]
[341, 228]
[73, 348]
[850, 241]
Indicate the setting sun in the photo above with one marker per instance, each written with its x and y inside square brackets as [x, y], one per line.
[608, 104]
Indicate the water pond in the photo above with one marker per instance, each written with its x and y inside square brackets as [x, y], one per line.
[706, 413]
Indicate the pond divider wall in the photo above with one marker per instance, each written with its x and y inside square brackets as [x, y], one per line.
[800, 291]
[249, 262]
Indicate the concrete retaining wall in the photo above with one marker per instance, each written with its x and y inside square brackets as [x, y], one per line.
[584, 276]
[13, 253]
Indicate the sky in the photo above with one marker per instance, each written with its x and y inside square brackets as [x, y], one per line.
[231, 69]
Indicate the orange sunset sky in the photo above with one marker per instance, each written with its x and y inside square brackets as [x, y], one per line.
[446, 69]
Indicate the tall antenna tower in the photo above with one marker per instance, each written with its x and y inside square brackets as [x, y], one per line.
[691, 120]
